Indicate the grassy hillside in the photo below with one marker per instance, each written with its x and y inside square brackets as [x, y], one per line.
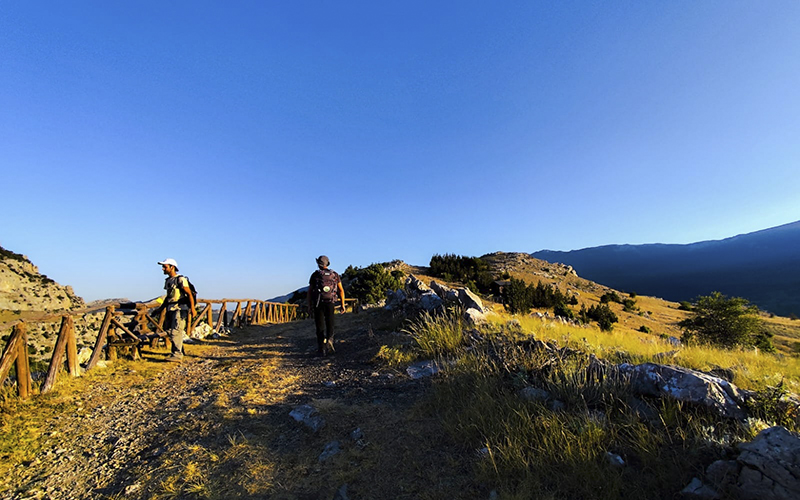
[217, 426]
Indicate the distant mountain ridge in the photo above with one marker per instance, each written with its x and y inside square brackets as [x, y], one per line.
[763, 267]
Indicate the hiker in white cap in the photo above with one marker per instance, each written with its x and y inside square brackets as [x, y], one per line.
[179, 304]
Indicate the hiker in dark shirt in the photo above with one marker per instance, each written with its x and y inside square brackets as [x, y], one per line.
[323, 288]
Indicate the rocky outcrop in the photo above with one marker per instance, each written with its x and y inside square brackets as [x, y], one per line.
[767, 468]
[433, 297]
[23, 288]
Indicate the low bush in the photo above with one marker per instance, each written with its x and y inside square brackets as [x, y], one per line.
[370, 284]
[603, 314]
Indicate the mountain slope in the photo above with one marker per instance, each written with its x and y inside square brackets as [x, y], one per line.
[23, 288]
[763, 267]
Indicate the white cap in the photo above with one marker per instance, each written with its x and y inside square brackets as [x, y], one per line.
[169, 262]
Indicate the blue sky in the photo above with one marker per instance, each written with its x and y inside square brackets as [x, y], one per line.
[244, 139]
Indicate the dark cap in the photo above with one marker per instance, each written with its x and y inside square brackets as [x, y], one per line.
[323, 261]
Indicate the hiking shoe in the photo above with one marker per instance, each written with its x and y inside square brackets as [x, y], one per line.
[329, 345]
[175, 359]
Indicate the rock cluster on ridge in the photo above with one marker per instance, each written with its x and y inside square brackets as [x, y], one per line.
[23, 288]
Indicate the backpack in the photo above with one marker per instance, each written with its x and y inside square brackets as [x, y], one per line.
[184, 300]
[325, 285]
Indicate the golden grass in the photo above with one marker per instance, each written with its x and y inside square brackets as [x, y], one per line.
[752, 369]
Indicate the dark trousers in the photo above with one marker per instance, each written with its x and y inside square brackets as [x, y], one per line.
[323, 319]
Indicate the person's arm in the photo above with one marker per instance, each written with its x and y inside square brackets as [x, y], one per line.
[341, 295]
[308, 294]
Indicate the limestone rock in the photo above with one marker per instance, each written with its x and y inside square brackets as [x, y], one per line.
[308, 415]
[430, 301]
[687, 385]
[475, 316]
[469, 300]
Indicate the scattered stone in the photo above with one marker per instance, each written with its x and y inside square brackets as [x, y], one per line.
[308, 415]
[422, 369]
[614, 460]
[357, 434]
[330, 450]
[696, 489]
[341, 493]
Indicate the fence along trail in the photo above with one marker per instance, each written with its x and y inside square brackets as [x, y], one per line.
[126, 327]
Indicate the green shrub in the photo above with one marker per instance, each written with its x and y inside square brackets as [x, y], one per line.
[645, 329]
[629, 305]
[563, 310]
[473, 272]
[369, 284]
[725, 322]
[685, 306]
[611, 296]
[603, 314]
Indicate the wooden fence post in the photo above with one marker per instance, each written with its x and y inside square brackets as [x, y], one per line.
[11, 351]
[61, 346]
[222, 313]
[101, 338]
[16, 352]
[72, 351]
[236, 320]
[247, 313]
[24, 381]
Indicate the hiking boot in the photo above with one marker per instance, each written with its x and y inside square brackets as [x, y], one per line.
[329, 345]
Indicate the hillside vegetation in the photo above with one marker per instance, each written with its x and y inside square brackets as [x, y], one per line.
[218, 426]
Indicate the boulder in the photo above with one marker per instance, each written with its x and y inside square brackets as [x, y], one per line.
[469, 300]
[444, 292]
[683, 384]
[415, 286]
[475, 316]
[430, 301]
[767, 468]
[770, 466]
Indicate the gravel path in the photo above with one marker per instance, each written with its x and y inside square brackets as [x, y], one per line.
[117, 440]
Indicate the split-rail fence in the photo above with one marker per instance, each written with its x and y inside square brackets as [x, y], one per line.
[126, 327]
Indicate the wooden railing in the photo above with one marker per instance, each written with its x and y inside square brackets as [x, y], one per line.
[115, 334]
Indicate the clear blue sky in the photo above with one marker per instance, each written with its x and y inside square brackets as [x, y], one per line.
[244, 139]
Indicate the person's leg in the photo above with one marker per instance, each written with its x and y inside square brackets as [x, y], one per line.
[329, 308]
[319, 323]
[176, 326]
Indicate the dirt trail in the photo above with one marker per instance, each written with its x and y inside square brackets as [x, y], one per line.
[217, 425]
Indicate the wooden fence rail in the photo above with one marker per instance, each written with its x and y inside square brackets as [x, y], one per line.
[115, 335]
